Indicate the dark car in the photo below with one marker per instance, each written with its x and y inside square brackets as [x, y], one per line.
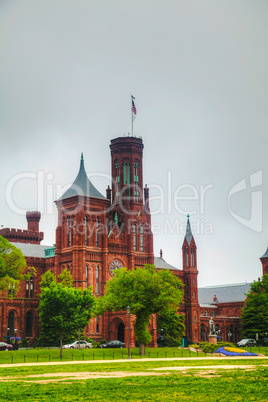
[5, 346]
[113, 344]
[247, 342]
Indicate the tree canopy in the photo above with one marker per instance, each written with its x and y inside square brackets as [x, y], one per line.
[13, 266]
[170, 326]
[255, 311]
[63, 309]
[146, 291]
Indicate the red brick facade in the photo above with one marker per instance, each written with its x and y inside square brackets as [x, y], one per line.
[96, 235]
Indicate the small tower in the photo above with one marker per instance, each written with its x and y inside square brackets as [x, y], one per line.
[192, 313]
[264, 261]
[33, 219]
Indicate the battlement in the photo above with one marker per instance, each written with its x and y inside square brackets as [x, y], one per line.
[22, 236]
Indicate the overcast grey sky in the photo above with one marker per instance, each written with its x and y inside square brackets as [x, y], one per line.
[198, 70]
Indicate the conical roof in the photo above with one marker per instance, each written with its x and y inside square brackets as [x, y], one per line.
[189, 234]
[82, 185]
[265, 255]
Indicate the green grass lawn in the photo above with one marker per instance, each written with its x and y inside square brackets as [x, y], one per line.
[46, 355]
[194, 385]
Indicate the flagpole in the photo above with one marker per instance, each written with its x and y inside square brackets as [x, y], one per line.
[131, 115]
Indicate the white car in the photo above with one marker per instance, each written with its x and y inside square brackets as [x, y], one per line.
[75, 345]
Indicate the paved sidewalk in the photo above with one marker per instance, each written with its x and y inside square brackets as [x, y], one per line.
[133, 361]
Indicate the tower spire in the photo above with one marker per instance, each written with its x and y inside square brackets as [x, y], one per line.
[188, 234]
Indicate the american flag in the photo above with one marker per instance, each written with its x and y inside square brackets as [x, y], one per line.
[133, 108]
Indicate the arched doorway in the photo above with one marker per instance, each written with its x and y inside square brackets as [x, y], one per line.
[121, 332]
[117, 329]
[11, 322]
[29, 324]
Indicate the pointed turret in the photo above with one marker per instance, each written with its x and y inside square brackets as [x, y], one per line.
[192, 315]
[264, 261]
[82, 185]
[188, 234]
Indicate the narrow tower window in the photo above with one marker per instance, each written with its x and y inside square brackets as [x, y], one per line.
[97, 324]
[192, 257]
[117, 182]
[97, 232]
[87, 275]
[141, 238]
[86, 230]
[186, 257]
[69, 232]
[134, 238]
[136, 181]
[32, 287]
[27, 288]
[97, 280]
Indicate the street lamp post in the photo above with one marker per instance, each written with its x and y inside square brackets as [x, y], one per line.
[15, 340]
[8, 329]
[128, 332]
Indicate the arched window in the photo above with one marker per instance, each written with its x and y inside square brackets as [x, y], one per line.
[97, 324]
[97, 232]
[86, 230]
[134, 237]
[32, 287]
[27, 288]
[202, 332]
[117, 181]
[195, 319]
[29, 324]
[69, 232]
[97, 280]
[11, 323]
[141, 238]
[192, 257]
[194, 295]
[136, 181]
[87, 275]
[193, 281]
[186, 257]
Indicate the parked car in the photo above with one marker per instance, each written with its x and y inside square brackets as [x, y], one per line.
[247, 342]
[113, 344]
[5, 346]
[75, 345]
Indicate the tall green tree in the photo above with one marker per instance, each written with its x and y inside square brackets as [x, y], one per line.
[146, 291]
[170, 324]
[63, 310]
[13, 267]
[255, 311]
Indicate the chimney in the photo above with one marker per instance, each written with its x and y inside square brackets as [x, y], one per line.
[33, 219]
[161, 253]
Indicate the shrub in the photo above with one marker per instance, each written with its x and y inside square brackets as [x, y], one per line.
[211, 347]
[24, 343]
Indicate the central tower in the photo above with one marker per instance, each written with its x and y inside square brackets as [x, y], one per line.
[127, 181]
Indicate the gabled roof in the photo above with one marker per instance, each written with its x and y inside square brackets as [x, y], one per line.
[224, 293]
[31, 250]
[82, 185]
[162, 264]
